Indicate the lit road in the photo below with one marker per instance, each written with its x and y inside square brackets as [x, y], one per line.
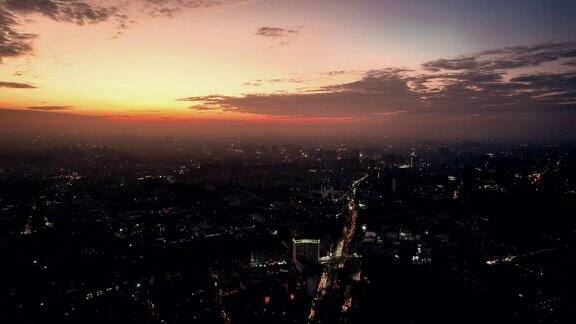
[351, 224]
[329, 282]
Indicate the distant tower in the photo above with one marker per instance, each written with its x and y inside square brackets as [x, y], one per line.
[412, 156]
[28, 228]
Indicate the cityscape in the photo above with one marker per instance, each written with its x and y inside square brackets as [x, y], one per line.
[298, 162]
[241, 232]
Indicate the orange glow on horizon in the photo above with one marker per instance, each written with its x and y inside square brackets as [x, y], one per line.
[141, 74]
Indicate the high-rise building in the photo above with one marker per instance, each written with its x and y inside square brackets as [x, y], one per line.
[413, 158]
[267, 257]
[305, 251]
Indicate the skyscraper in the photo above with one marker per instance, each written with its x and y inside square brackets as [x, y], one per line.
[305, 250]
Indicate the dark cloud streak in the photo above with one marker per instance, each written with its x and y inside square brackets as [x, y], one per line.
[50, 108]
[475, 85]
[275, 32]
[16, 85]
[506, 58]
[12, 42]
[75, 11]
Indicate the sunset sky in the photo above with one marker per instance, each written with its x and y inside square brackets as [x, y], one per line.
[453, 68]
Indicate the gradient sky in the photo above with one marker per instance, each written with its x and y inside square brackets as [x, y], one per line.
[395, 67]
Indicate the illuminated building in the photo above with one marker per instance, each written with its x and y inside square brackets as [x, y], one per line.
[305, 251]
[267, 257]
